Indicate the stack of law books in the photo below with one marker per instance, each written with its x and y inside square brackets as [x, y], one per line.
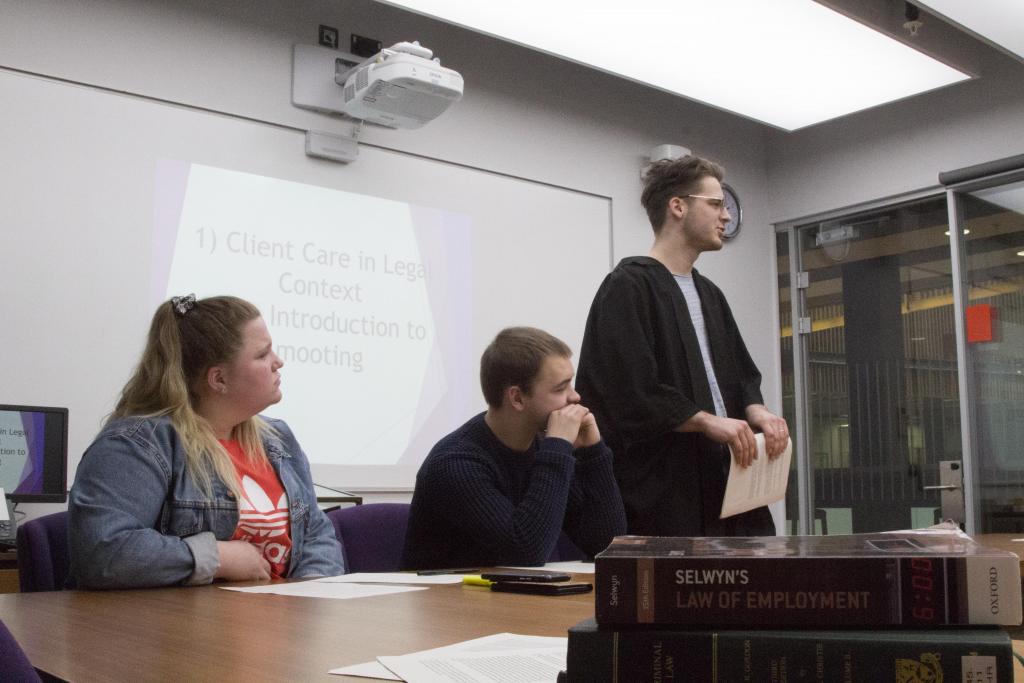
[902, 606]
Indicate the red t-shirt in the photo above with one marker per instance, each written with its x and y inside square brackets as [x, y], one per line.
[263, 511]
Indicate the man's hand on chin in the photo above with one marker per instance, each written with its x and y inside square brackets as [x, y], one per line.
[566, 423]
[589, 434]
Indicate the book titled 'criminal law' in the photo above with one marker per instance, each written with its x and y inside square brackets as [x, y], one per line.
[681, 656]
[911, 579]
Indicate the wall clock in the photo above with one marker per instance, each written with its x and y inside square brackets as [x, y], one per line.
[732, 203]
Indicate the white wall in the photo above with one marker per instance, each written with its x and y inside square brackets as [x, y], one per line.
[524, 114]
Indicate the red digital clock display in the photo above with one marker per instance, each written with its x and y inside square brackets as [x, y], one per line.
[924, 597]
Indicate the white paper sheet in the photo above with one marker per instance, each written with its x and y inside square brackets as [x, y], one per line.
[393, 577]
[762, 483]
[499, 642]
[505, 657]
[316, 589]
[374, 670]
[567, 567]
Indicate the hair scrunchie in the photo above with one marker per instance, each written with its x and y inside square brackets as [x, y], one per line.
[183, 304]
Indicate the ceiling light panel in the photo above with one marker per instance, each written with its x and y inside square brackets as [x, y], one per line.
[787, 63]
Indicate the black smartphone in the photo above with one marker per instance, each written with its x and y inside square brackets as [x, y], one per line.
[539, 576]
[541, 588]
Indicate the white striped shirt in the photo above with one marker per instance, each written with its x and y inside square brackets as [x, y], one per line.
[689, 290]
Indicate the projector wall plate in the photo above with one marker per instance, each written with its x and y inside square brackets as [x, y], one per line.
[313, 85]
[332, 147]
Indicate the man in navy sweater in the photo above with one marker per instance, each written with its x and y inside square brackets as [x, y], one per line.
[500, 489]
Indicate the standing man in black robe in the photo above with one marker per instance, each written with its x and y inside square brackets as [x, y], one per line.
[665, 370]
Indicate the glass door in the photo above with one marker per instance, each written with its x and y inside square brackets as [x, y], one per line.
[873, 325]
[992, 239]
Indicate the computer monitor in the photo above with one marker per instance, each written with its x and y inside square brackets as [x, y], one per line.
[34, 453]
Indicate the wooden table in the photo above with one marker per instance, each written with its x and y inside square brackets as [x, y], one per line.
[205, 633]
[1009, 542]
[8, 571]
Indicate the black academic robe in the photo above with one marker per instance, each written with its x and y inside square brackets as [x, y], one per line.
[641, 373]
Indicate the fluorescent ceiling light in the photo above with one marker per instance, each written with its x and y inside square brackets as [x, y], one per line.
[998, 21]
[787, 63]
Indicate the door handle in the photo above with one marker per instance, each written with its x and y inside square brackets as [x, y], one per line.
[941, 487]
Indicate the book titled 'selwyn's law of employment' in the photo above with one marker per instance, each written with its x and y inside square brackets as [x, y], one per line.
[682, 656]
[910, 579]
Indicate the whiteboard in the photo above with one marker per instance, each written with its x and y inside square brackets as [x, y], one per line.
[89, 247]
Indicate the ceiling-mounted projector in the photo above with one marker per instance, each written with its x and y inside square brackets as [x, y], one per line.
[400, 87]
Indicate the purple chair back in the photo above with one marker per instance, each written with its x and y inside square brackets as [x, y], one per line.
[14, 665]
[565, 550]
[43, 562]
[371, 535]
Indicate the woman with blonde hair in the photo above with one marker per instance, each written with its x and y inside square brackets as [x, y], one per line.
[186, 483]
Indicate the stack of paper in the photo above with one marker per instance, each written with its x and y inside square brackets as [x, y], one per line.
[763, 482]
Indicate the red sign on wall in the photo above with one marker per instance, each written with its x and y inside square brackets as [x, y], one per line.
[980, 323]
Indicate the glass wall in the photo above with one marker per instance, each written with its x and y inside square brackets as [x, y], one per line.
[880, 378]
[993, 237]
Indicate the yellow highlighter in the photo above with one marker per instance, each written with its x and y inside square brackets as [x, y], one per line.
[475, 580]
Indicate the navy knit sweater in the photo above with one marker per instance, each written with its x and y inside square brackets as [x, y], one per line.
[479, 503]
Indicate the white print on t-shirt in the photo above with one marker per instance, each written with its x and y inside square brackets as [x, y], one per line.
[261, 520]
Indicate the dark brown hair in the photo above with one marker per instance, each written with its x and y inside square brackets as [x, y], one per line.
[668, 178]
[514, 358]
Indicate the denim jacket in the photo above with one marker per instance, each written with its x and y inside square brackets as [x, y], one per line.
[138, 519]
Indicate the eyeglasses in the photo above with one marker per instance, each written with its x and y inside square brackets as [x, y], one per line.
[715, 202]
